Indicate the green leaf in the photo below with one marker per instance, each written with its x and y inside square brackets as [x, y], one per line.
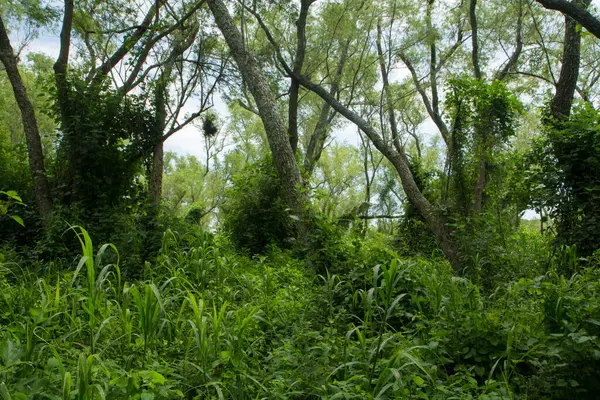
[18, 219]
[4, 392]
[153, 377]
[418, 380]
[13, 195]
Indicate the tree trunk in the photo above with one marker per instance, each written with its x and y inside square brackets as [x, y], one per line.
[160, 105]
[569, 72]
[474, 39]
[285, 161]
[60, 66]
[317, 140]
[298, 62]
[30, 126]
[156, 174]
[480, 185]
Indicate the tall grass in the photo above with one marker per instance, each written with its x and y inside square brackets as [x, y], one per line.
[205, 322]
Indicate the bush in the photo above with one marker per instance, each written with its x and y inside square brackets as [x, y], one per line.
[255, 215]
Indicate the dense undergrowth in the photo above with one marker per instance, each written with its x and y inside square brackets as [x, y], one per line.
[206, 322]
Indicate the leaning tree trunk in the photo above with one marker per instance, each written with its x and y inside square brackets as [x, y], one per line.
[577, 11]
[30, 126]
[398, 159]
[285, 161]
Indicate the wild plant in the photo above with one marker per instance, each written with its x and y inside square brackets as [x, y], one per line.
[94, 281]
[149, 309]
[390, 276]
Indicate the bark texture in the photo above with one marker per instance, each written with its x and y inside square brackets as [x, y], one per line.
[481, 182]
[298, 63]
[474, 39]
[30, 126]
[389, 103]
[60, 66]
[569, 72]
[285, 161]
[575, 10]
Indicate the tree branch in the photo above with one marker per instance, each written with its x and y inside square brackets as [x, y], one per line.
[581, 15]
[512, 61]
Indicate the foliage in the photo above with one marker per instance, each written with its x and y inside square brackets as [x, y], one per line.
[104, 141]
[212, 295]
[255, 215]
[190, 189]
[484, 117]
[14, 173]
[11, 197]
[564, 181]
[205, 322]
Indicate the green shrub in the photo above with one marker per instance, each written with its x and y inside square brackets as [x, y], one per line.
[255, 215]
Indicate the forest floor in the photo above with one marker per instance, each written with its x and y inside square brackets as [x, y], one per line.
[206, 322]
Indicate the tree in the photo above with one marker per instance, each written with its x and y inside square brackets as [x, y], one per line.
[567, 82]
[568, 153]
[283, 155]
[169, 55]
[30, 125]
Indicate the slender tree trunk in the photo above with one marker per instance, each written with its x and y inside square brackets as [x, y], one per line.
[512, 61]
[481, 181]
[157, 166]
[317, 140]
[30, 126]
[285, 161]
[60, 66]
[160, 103]
[62, 93]
[298, 62]
[156, 174]
[319, 135]
[474, 38]
[389, 103]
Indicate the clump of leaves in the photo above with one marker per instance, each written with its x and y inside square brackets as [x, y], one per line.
[563, 176]
[12, 198]
[209, 125]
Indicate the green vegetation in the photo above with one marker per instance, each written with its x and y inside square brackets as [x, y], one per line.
[235, 199]
[206, 322]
